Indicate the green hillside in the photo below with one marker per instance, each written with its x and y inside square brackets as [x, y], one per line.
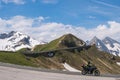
[75, 57]
[64, 41]
[15, 58]
[100, 59]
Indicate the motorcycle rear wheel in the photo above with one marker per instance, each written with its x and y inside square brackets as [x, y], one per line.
[96, 73]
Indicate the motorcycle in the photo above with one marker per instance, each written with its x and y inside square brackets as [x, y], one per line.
[90, 70]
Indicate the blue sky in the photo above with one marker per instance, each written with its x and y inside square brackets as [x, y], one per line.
[83, 18]
[86, 13]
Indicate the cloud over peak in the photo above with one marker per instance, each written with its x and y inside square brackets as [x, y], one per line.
[49, 1]
[47, 31]
[13, 1]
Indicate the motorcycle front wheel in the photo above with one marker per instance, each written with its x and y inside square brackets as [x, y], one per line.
[84, 72]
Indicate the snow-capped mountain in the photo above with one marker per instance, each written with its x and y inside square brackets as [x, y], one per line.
[107, 44]
[100, 45]
[112, 45]
[15, 40]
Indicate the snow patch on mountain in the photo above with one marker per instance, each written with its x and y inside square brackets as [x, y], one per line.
[114, 50]
[15, 40]
[107, 44]
[69, 68]
[112, 45]
[100, 45]
[118, 63]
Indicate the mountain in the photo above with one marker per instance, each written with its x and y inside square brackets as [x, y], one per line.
[107, 44]
[112, 45]
[13, 41]
[99, 44]
[75, 58]
[69, 40]
[65, 41]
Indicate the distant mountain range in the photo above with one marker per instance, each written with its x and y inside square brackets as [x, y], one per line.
[15, 40]
[107, 44]
[74, 57]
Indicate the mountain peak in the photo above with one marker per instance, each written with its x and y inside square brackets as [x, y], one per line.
[16, 33]
[112, 45]
[108, 37]
[107, 44]
[95, 38]
[69, 40]
[99, 44]
[12, 32]
[109, 40]
[69, 34]
[65, 41]
[14, 40]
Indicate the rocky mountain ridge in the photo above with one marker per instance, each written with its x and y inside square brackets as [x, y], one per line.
[107, 44]
[14, 40]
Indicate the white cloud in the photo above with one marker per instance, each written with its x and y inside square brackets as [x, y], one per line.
[91, 17]
[41, 30]
[33, 0]
[49, 1]
[106, 4]
[14, 1]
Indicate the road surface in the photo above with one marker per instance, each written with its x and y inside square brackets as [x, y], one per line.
[12, 73]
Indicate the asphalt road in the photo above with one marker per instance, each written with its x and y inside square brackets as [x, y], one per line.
[15, 72]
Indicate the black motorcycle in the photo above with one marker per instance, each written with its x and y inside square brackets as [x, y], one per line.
[90, 70]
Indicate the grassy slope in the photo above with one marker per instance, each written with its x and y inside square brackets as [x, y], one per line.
[50, 46]
[58, 43]
[75, 59]
[49, 63]
[20, 59]
[15, 58]
[100, 59]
